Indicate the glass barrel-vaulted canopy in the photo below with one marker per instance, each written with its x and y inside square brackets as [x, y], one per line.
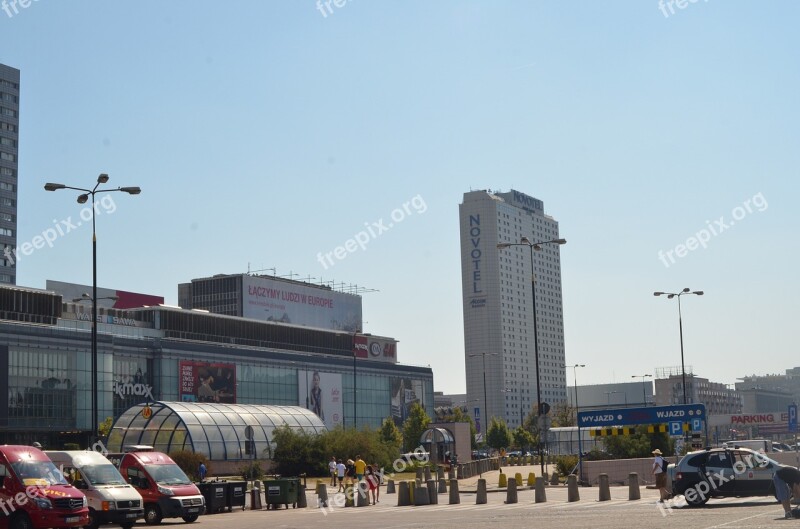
[220, 431]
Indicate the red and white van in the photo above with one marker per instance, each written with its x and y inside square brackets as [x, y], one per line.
[165, 489]
[34, 493]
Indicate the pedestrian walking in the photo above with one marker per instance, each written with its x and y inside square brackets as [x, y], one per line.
[660, 473]
[202, 471]
[332, 471]
[373, 481]
[341, 469]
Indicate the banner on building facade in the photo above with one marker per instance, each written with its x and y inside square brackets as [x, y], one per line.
[405, 392]
[207, 382]
[321, 393]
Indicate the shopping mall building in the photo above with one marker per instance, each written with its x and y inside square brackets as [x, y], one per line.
[150, 352]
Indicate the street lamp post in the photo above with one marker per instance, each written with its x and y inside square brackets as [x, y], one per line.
[577, 409]
[485, 400]
[524, 241]
[678, 295]
[644, 391]
[82, 199]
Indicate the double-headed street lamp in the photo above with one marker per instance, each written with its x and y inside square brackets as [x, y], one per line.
[644, 391]
[577, 409]
[524, 241]
[678, 295]
[82, 199]
[485, 400]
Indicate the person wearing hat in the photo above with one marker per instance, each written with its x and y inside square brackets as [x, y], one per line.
[660, 473]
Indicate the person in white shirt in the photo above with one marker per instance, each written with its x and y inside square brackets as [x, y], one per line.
[340, 470]
[332, 471]
[660, 473]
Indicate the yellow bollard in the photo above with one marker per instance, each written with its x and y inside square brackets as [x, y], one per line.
[503, 481]
[518, 477]
[532, 479]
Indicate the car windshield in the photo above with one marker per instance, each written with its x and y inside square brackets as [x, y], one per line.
[167, 474]
[104, 474]
[38, 473]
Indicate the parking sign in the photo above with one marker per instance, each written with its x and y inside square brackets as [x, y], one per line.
[793, 417]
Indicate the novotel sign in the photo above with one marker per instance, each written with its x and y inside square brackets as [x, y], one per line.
[526, 201]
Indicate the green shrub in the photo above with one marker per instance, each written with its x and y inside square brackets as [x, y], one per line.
[190, 463]
[251, 470]
[565, 464]
[72, 446]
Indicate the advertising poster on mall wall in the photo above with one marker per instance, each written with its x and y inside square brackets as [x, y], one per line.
[274, 300]
[207, 382]
[322, 394]
[405, 392]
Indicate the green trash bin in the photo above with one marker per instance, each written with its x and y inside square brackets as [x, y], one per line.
[281, 491]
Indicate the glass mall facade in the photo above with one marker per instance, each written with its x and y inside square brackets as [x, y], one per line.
[169, 354]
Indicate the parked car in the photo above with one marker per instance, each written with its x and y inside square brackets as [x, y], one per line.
[722, 472]
[480, 454]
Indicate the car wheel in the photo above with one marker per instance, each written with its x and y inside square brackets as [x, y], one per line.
[696, 500]
[152, 514]
[93, 523]
[21, 521]
[190, 519]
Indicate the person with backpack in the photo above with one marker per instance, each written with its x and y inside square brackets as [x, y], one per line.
[660, 473]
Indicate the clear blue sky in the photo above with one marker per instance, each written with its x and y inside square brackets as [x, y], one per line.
[264, 133]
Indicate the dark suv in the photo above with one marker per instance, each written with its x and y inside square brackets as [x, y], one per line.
[721, 472]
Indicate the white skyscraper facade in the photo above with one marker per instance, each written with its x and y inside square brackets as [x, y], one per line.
[498, 306]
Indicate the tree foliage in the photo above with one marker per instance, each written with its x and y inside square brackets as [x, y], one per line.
[459, 415]
[522, 438]
[104, 428]
[189, 462]
[639, 444]
[563, 415]
[498, 436]
[415, 425]
[390, 434]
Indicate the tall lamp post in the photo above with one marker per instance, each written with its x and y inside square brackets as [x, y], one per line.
[485, 400]
[82, 199]
[678, 295]
[524, 241]
[577, 409]
[644, 391]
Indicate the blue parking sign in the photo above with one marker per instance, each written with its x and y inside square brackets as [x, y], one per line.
[697, 425]
[793, 417]
[675, 428]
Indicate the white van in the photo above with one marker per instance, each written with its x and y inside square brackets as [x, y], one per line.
[111, 499]
[758, 445]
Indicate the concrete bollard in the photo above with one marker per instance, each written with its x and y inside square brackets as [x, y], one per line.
[421, 496]
[540, 495]
[442, 486]
[554, 479]
[605, 490]
[419, 473]
[362, 492]
[302, 501]
[412, 486]
[403, 495]
[455, 497]
[349, 497]
[502, 482]
[439, 472]
[518, 477]
[480, 498]
[633, 487]
[511, 493]
[451, 474]
[427, 474]
[531, 479]
[255, 497]
[433, 495]
[390, 489]
[572, 488]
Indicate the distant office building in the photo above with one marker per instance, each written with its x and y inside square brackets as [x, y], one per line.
[718, 398]
[9, 166]
[498, 306]
[760, 387]
[616, 395]
[271, 298]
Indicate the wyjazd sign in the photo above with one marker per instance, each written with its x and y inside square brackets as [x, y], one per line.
[651, 415]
